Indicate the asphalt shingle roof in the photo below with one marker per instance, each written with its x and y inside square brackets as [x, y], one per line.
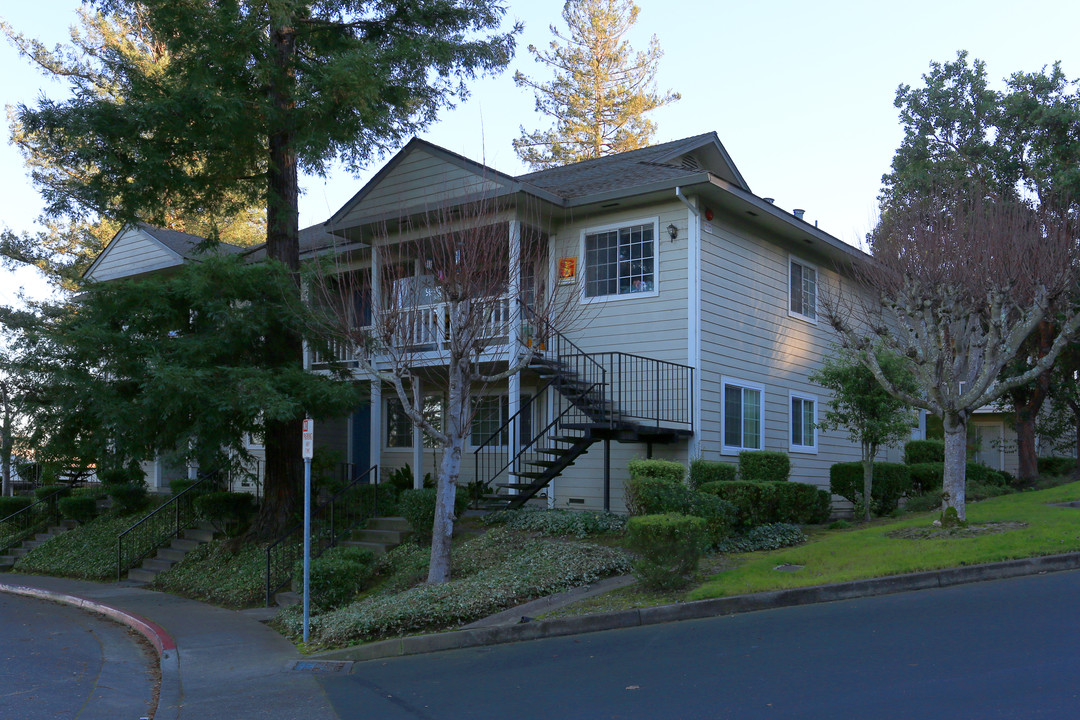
[185, 244]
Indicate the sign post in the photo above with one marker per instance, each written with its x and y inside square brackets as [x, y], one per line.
[308, 453]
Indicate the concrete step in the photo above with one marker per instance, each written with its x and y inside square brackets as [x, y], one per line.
[156, 564]
[389, 523]
[375, 547]
[199, 534]
[19, 552]
[387, 537]
[286, 598]
[141, 575]
[31, 544]
[58, 529]
[6, 563]
[171, 554]
[184, 544]
[44, 537]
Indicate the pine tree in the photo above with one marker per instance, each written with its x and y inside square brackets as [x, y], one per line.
[602, 89]
[253, 91]
[69, 243]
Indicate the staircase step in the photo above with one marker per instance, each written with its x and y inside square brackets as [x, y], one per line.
[31, 544]
[388, 537]
[171, 554]
[389, 523]
[200, 534]
[375, 547]
[526, 474]
[157, 564]
[285, 598]
[513, 486]
[184, 544]
[141, 575]
[559, 452]
[544, 463]
[44, 536]
[19, 552]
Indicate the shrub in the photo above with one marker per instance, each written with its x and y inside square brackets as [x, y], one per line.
[1056, 465]
[127, 498]
[667, 470]
[80, 508]
[763, 466]
[926, 477]
[983, 490]
[46, 490]
[761, 503]
[764, 537]
[925, 502]
[668, 546]
[892, 481]
[418, 507]
[179, 485]
[336, 576]
[401, 479]
[924, 451]
[984, 475]
[228, 512]
[706, 471]
[12, 505]
[129, 475]
[29, 471]
[655, 496]
[559, 523]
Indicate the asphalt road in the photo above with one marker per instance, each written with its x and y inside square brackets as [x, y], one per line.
[58, 662]
[1003, 649]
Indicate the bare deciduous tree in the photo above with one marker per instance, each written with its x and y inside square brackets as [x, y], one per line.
[956, 285]
[438, 306]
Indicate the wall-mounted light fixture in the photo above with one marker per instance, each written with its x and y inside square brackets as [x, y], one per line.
[672, 231]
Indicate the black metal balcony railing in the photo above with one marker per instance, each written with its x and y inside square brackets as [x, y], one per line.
[330, 522]
[159, 527]
[32, 519]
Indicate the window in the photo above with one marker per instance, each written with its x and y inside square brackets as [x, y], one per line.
[803, 423]
[620, 261]
[803, 290]
[493, 412]
[399, 426]
[743, 416]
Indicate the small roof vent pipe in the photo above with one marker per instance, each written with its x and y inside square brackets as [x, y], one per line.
[769, 200]
[797, 212]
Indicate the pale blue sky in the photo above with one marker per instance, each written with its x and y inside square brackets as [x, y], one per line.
[800, 93]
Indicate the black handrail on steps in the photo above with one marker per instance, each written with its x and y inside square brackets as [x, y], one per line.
[151, 532]
[21, 524]
[330, 521]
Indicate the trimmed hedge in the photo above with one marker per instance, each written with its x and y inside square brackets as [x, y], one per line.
[127, 498]
[228, 512]
[1056, 466]
[761, 503]
[122, 476]
[892, 481]
[418, 507]
[179, 485]
[764, 466]
[80, 508]
[924, 451]
[12, 505]
[46, 490]
[668, 547]
[654, 496]
[661, 469]
[926, 477]
[336, 576]
[706, 471]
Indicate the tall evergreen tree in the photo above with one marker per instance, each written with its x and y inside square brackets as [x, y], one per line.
[602, 89]
[68, 244]
[253, 91]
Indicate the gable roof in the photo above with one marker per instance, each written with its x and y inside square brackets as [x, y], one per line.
[185, 244]
[668, 161]
[172, 248]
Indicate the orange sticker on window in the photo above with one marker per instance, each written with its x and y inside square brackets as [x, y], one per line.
[567, 268]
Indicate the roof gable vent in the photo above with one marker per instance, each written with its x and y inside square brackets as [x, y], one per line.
[689, 162]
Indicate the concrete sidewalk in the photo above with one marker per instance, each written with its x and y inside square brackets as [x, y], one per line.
[216, 664]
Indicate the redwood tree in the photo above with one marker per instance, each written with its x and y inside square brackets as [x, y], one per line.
[254, 91]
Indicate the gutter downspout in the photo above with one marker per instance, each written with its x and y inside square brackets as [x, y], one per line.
[693, 313]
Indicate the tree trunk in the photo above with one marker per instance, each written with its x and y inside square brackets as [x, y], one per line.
[1076, 467]
[954, 485]
[868, 480]
[6, 447]
[283, 475]
[443, 529]
[1027, 412]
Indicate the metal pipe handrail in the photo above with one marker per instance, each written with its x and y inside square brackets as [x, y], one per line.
[182, 509]
[22, 516]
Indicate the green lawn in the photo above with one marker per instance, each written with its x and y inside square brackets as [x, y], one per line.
[853, 554]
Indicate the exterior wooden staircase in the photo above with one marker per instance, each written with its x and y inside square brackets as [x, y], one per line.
[599, 396]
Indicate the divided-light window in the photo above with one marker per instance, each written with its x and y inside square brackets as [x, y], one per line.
[803, 423]
[803, 289]
[620, 261]
[742, 416]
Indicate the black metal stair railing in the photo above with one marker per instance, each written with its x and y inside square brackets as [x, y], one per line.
[331, 520]
[32, 519]
[158, 528]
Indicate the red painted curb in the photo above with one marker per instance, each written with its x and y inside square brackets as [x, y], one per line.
[157, 635]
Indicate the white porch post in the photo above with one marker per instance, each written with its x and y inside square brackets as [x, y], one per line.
[375, 434]
[418, 444]
[513, 335]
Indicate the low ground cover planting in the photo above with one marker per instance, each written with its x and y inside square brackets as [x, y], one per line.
[87, 552]
[497, 570]
[1035, 527]
[221, 572]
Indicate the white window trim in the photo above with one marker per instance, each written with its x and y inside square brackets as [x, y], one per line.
[469, 438]
[384, 431]
[817, 289]
[792, 447]
[724, 382]
[655, 220]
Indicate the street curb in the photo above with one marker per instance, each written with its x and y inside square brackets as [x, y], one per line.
[168, 706]
[459, 639]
